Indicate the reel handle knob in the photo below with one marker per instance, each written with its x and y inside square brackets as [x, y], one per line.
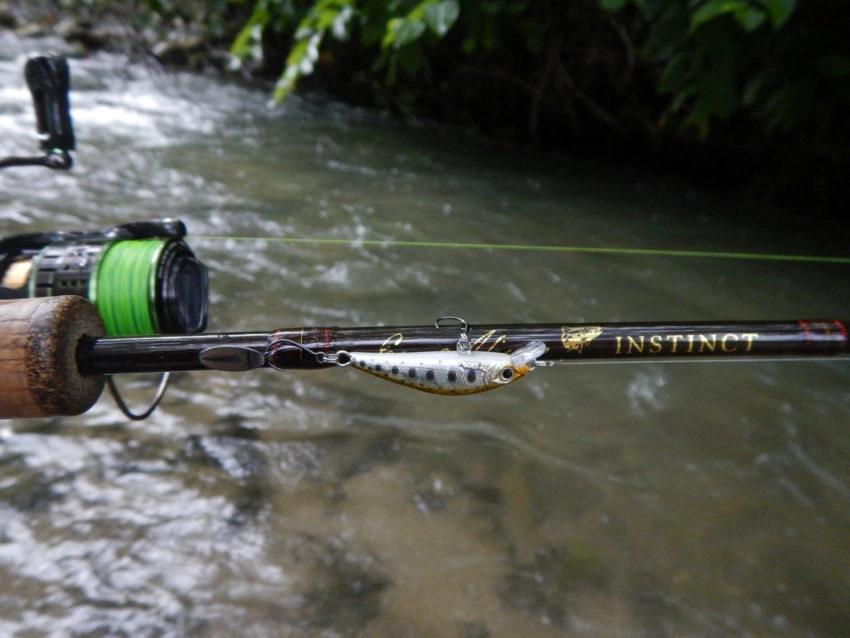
[48, 79]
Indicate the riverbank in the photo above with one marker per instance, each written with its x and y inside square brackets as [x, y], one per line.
[181, 43]
[787, 172]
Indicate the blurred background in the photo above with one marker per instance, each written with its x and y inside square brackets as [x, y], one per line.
[652, 499]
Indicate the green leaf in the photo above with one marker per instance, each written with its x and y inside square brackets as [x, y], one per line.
[678, 73]
[389, 33]
[408, 31]
[339, 26]
[300, 61]
[438, 16]
[748, 16]
[441, 16]
[710, 10]
[779, 11]
[243, 43]
[401, 31]
[286, 84]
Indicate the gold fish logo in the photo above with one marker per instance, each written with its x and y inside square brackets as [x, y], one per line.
[575, 339]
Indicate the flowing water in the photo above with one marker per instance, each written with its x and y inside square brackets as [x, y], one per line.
[649, 499]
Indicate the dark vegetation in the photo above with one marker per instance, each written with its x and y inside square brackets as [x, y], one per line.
[748, 95]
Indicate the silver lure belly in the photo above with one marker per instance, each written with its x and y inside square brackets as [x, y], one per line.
[444, 372]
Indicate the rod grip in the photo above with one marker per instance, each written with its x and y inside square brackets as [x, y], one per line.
[38, 357]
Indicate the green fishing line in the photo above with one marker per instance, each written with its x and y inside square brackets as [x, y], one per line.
[123, 287]
[646, 252]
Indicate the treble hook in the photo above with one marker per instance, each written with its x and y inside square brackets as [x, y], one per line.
[463, 344]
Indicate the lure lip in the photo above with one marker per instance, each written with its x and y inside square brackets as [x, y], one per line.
[528, 354]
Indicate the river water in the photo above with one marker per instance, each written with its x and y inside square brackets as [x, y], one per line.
[650, 499]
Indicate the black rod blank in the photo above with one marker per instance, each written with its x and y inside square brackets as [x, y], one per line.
[297, 348]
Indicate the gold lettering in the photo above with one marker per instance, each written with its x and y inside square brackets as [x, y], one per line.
[655, 344]
[480, 341]
[391, 342]
[724, 343]
[674, 341]
[635, 345]
[683, 344]
[749, 337]
[496, 342]
[707, 344]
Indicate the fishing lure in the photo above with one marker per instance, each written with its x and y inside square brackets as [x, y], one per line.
[462, 371]
[446, 372]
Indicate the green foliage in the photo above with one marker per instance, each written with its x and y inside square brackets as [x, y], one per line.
[769, 67]
[402, 28]
[716, 58]
[750, 14]
[323, 17]
[769, 78]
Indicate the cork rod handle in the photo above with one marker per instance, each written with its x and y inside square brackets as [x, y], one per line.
[38, 357]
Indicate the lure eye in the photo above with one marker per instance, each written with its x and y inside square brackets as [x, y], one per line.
[507, 374]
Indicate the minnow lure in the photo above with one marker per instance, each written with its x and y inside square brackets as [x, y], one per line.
[446, 372]
[462, 371]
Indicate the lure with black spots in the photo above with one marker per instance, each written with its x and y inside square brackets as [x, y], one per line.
[447, 372]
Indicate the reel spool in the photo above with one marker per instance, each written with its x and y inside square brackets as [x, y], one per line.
[142, 278]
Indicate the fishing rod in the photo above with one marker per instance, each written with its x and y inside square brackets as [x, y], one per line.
[56, 356]
[78, 308]
[323, 347]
